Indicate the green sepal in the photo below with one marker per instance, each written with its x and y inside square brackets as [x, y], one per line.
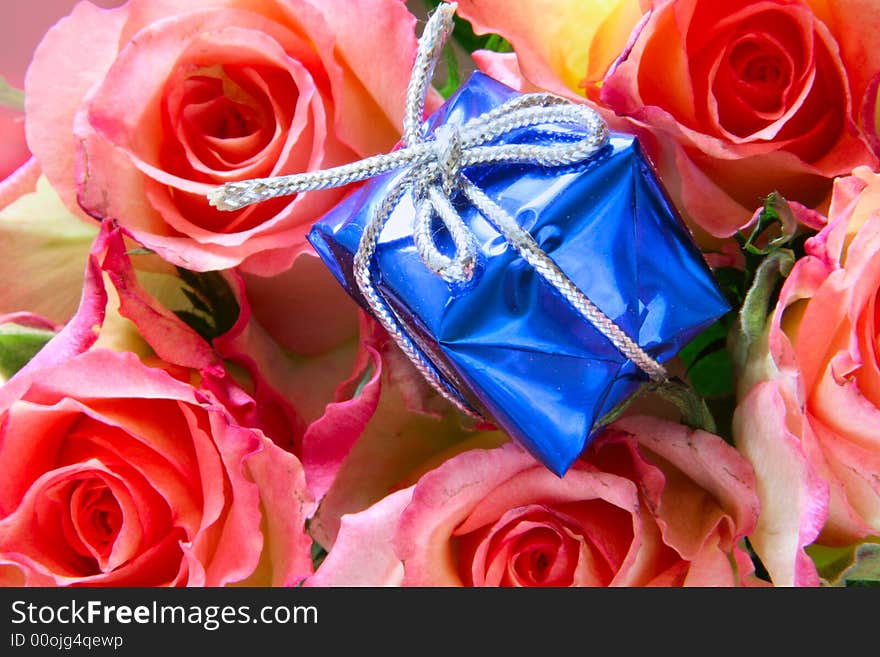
[18, 344]
[851, 565]
[751, 321]
[214, 308]
[694, 411]
[10, 96]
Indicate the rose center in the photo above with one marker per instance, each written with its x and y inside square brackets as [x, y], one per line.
[96, 515]
[211, 112]
[754, 84]
[218, 118]
[756, 67]
[763, 70]
[534, 565]
[534, 546]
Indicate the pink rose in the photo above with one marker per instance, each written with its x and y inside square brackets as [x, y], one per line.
[735, 100]
[312, 407]
[810, 397]
[137, 111]
[96, 492]
[650, 503]
[311, 394]
[732, 100]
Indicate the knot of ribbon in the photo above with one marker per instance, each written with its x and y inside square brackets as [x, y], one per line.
[434, 175]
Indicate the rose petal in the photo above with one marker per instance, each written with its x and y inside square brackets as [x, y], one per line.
[22, 180]
[285, 504]
[712, 469]
[43, 252]
[349, 564]
[561, 42]
[794, 498]
[55, 87]
[368, 127]
[166, 333]
[465, 493]
[326, 315]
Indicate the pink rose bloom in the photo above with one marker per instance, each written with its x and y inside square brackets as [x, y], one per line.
[650, 503]
[809, 413]
[314, 408]
[96, 492]
[137, 111]
[312, 394]
[21, 30]
[735, 100]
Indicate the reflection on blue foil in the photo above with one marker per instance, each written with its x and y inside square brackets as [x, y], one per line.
[513, 345]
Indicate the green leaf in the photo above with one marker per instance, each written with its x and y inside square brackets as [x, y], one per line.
[214, 308]
[318, 554]
[865, 571]
[198, 323]
[10, 96]
[497, 43]
[853, 565]
[197, 302]
[712, 375]
[18, 344]
[707, 360]
[365, 379]
[752, 318]
[776, 211]
[619, 410]
[453, 77]
[139, 251]
[694, 411]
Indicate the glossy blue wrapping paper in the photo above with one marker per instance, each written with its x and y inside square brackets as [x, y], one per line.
[506, 340]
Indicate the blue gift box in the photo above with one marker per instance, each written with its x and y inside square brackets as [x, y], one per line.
[506, 340]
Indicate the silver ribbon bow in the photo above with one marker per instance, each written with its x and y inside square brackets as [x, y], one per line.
[435, 175]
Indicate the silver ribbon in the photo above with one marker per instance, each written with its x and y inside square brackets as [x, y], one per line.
[434, 175]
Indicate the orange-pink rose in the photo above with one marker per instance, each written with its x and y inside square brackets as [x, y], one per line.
[650, 503]
[809, 413]
[733, 100]
[136, 112]
[739, 99]
[119, 474]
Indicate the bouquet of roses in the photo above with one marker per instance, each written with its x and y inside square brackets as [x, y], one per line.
[190, 398]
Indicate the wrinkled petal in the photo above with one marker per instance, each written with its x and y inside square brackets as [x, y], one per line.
[363, 554]
[712, 468]
[285, 504]
[55, 87]
[794, 499]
